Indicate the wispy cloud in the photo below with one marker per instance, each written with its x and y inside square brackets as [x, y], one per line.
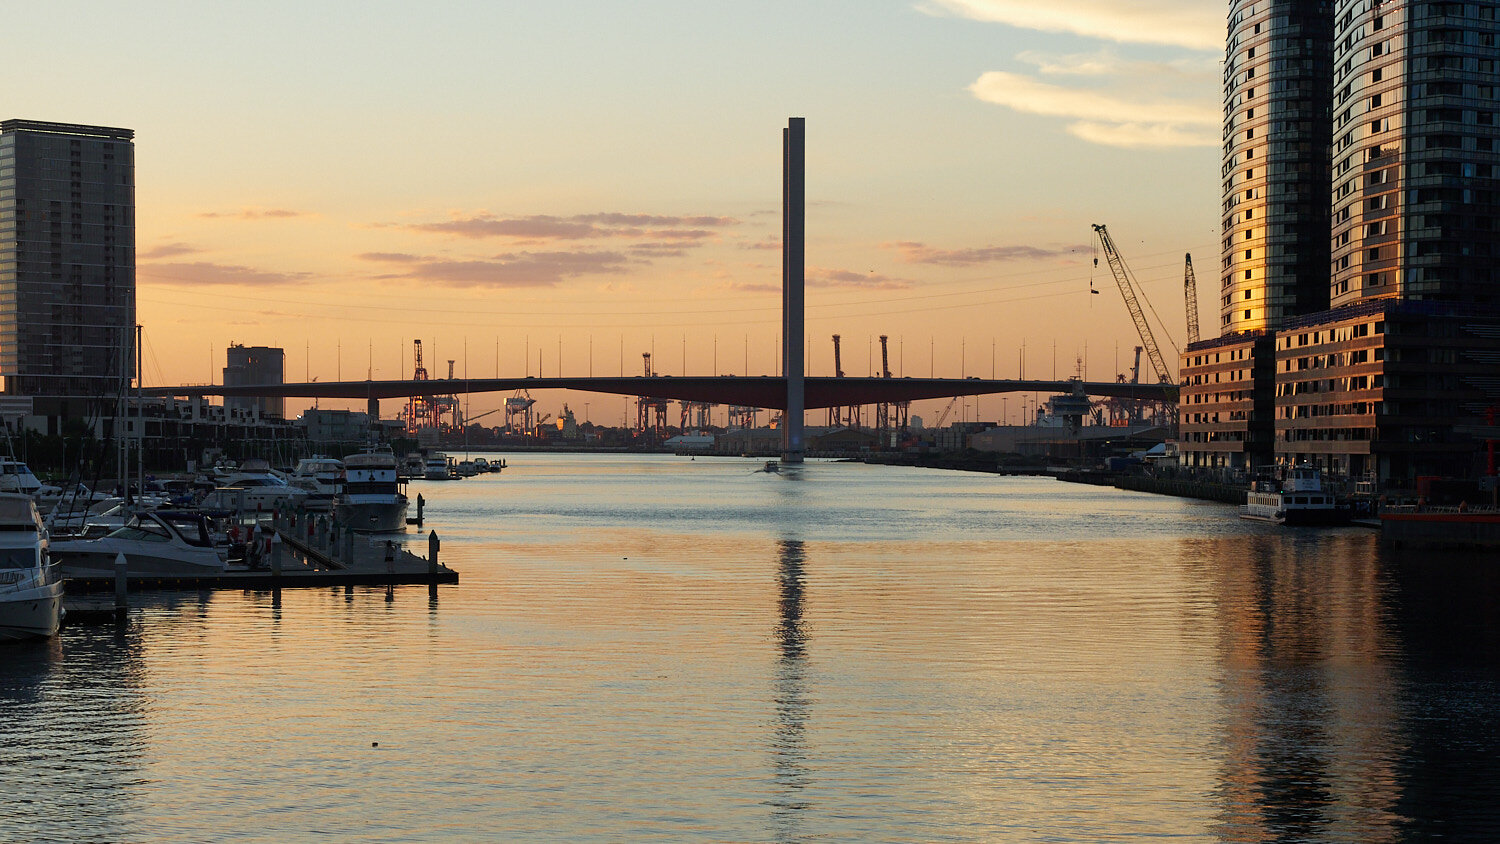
[256, 214]
[921, 253]
[828, 277]
[168, 250]
[541, 227]
[1192, 24]
[203, 272]
[1128, 122]
[1107, 62]
[752, 287]
[511, 270]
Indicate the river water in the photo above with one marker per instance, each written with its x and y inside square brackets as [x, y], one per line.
[652, 648]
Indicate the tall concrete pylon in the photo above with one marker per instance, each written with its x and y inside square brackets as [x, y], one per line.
[793, 238]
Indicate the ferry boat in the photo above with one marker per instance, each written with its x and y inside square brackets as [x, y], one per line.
[371, 501]
[31, 591]
[1300, 501]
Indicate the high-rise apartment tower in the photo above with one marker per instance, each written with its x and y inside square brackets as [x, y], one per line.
[1278, 68]
[67, 264]
[1415, 151]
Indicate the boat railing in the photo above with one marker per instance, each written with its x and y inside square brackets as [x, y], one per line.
[1439, 509]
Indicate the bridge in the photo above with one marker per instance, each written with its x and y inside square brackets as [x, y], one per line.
[792, 393]
[750, 391]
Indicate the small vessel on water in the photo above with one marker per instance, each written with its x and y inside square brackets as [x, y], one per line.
[322, 478]
[438, 468]
[31, 591]
[411, 466]
[1301, 500]
[160, 543]
[371, 500]
[264, 489]
[16, 476]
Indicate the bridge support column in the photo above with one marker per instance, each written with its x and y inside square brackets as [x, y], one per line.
[793, 239]
[372, 407]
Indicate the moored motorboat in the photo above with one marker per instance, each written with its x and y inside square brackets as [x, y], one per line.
[264, 489]
[30, 589]
[161, 543]
[322, 478]
[371, 500]
[438, 467]
[16, 476]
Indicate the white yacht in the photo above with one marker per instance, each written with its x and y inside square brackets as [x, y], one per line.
[1301, 500]
[372, 500]
[31, 591]
[411, 466]
[50, 498]
[322, 478]
[97, 518]
[438, 468]
[16, 476]
[264, 489]
[162, 543]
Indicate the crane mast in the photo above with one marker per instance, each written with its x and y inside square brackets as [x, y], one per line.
[1190, 292]
[1132, 303]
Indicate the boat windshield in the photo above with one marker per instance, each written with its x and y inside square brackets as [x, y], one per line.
[18, 558]
[148, 531]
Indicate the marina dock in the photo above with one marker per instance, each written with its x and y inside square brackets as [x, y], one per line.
[302, 553]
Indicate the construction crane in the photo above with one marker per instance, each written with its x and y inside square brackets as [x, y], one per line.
[1190, 292]
[947, 411]
[836, 412]
[1132, 303]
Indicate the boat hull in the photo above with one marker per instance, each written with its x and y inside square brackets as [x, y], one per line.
[1316, 517]
[372, 517]
[97, 559]
[31, 614]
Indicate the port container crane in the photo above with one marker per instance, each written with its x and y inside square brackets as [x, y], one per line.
[1122, 276]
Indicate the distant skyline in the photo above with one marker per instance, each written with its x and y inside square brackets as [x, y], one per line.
[501, 180]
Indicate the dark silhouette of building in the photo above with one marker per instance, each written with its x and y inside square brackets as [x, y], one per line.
[255, 365]
[67, 265]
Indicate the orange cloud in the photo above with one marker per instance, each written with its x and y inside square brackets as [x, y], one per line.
[921, 253]
[517, 269]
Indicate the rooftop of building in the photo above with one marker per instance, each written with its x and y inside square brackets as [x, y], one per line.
[79, 129]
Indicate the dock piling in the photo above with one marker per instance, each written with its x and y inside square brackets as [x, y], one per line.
[432, 552]
[276, 559]
[122, 601]
[420, 503]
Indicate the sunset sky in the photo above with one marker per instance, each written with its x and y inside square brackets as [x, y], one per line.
[517, 183]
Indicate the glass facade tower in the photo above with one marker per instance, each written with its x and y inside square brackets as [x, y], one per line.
[1277, 127]
[1415, 154]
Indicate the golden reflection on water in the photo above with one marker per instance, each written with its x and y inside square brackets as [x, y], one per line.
[649, 648]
